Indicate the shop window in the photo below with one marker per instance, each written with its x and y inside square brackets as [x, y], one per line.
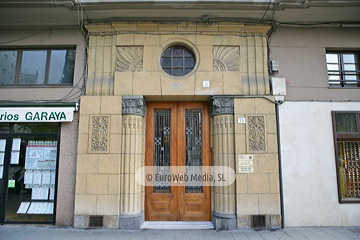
[28, 170]
[177, 61]
[37, 67]
[346, 126]
[343, 69]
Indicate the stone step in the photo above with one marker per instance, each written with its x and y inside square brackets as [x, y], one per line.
[177, 225]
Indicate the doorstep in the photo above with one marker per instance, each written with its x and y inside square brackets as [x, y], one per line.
[203, 225]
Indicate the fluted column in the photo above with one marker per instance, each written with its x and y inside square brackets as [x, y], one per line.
[222, 112]
[132, 158]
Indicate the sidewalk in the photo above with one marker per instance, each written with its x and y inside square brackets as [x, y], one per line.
[11, 232]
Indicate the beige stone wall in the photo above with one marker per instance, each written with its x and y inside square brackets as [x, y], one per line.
[257, 193]
[248, 54]
[98, 166]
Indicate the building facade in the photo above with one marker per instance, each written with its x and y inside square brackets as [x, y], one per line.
[256, 102]
[41, 81]
[319, 190]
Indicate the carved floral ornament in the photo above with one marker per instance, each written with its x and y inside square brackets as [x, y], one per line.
[99, 134]
[129, 59]
[256, 134]
[225, 58]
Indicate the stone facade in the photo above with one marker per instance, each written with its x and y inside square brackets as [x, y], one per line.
[125, 72]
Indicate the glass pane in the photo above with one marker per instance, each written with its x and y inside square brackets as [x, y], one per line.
[178, 51]
[165, 62]
[61, 66]
[188, 70]
[350, 77]
[332, 67]
[7, 67]
[33, 66]
[189, 62]
[345, 122]
[167, 52]
[349, 169]
[349, 67]
[32, 173]
[193, 133]
[167, 70]
[332, 58]
[334, 77]
[36, 127]
[178, 72]
[177, 62]
[162, 137]
[349, 58]
[188, 53]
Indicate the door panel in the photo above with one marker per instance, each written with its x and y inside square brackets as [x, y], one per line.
[159, 200]
[177, 135]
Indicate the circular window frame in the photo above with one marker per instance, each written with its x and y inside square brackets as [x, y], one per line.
[184, 43]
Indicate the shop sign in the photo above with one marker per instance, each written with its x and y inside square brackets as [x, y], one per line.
[36, 114]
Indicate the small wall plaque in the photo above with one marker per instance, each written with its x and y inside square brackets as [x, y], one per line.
[246, 169]
[246, 163]
[245, 157]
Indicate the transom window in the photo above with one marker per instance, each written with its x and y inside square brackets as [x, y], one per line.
[37, 67]
[177, 61]
[346, 127]
[343, 69]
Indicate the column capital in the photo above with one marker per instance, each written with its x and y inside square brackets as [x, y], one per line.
[133, 105]
[221, 105]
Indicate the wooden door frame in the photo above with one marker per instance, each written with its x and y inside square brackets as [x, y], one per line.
[176, 154]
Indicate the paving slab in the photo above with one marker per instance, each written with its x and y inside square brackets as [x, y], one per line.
[19, 232]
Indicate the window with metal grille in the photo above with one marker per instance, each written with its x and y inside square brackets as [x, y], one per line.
[346, 127]
[343, 69]
[177, 61]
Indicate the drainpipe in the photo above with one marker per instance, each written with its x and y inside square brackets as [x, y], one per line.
[280, 166]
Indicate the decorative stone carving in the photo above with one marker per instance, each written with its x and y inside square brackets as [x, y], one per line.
[225, 58]
[133, 105]
[129, 59]
[221, 123]
[222, 105]
[256, 134]
[99, 140]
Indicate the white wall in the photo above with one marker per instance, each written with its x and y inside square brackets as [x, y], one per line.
[308, 165]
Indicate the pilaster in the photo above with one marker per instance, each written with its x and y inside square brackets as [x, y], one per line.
[222, 112]
[132, 158]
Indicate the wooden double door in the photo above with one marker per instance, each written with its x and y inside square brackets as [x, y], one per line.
[177, 137]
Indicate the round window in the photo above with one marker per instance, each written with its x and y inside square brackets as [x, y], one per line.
[177, 61]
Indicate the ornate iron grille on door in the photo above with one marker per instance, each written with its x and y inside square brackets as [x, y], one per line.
[193, 150]
[162, 150]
